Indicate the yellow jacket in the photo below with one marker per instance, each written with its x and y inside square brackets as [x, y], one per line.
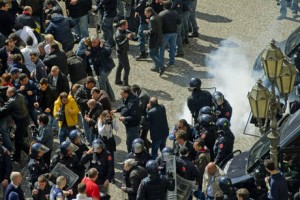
[71, 111]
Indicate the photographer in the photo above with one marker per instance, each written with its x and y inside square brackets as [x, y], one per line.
[66, 112]
[106, 124]
[122, 38]
[92, 115]
[44, 135]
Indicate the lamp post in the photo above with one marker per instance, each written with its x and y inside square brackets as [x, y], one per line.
[265, 104]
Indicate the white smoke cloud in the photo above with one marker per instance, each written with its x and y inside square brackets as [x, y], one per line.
[232, 76]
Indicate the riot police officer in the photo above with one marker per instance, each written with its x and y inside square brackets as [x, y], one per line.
[5, 165]
[139, 152]
[75, 138]
[36, 165]
[208, 132]
[227, 188]
[224, 144]
[222, 105]
[98, 157]
[208, 110]
[67, 157]
[295, 105]
[154, 186]
[198, 98]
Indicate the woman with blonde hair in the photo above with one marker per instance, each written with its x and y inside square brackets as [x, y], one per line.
[47, 43]
[106, 124]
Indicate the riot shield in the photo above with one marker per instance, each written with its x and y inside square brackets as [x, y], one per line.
[62, 170]
[184, 188]
[171, 169]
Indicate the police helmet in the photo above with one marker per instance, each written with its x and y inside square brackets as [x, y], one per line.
[218, 98]
[74, 134]
[97, 143]
[223, 124]
[205, 120]
[206, 110]
[36, 148]
[225, 184]
[298, 90]
[195, 83]
[138, 145]
[67, 146]
[152, 167]
[166, 151]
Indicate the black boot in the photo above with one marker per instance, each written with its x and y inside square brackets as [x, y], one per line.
[142, 55]
[194, 34]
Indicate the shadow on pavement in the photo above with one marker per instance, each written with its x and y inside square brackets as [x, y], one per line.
[212, 18]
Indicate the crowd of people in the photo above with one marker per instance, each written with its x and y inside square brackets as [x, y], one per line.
[48, 84]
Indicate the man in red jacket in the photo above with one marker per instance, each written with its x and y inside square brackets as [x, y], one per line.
[92, 189]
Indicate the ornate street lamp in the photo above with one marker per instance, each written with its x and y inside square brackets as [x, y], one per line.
[272, 59]
[259, 98]
[266, 105]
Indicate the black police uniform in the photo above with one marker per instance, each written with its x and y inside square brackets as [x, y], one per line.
[103, 162]
[82, 148]
[225, 109]
[155, 187]
[197, 100]
[36, 168]
[142, 157]
[5, 164]
[188, 170]
[223, 146]
[209, 135]
[133, 178]
[71, 162]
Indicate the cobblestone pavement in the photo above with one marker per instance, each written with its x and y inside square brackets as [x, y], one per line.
[247, 26]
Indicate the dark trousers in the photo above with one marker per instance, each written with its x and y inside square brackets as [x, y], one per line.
[123, 64]
[21, 131]
[47, 157]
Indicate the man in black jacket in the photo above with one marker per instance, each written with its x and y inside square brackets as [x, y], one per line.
[17, 107]
[82, 96]
[155, 39]
[110, 11]
[170, 21]
[182, 141]
[58, 58]
[6, 55]
[58, 80]
[100, 54]
[122, 38]
[159, 129]
[78, 10]
[6, 19]
[25, 19]
[133, 175]
[130, 115]
[5, 165]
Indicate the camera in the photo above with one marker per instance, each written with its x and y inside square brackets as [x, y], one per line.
[108, 120]
[59, 116]
[34, 131]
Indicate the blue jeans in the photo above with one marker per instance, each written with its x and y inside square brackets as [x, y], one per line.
[107, 28]
[131, 134]
[185, 26]
[209, 198]
[170, 39]
[105, 85]
[154, 54]
[142, 37]
[63, 133]
[87, 131]
[179, 48]
[82, 26]
[4, 131]
[283, 7]
[157, 144]
[192, 16]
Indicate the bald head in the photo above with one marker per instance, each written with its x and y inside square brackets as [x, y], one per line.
[211, 168]
[153, 101]
[91, 103]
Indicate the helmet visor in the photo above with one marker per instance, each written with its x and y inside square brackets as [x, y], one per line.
[137, 147]
[43, 149]
[219, 100]
[73, 147]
